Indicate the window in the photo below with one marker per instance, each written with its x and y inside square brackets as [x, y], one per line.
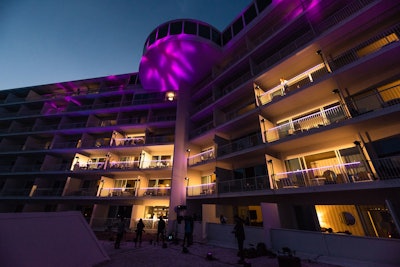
[152, 37]
[237, 26]
[204, 31]
[226, 36]
[162, 31]
[190, 28]
[216, 37]
[262, 4]
[250, 14]
[175, 28]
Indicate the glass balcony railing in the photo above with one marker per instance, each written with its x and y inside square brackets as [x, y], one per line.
[303, 78]
[201, 157]
[46, 192]
[315, 120]
[118, 192]
[123, 165]
[353, 172]
[243, 185]
[201, 189]
[334, 174]
[155, 191]
[240, 144]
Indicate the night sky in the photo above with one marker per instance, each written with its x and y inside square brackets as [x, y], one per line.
[49, 41]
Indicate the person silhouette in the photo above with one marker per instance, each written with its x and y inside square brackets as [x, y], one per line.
[161, 230]
[139, 233]
[238, 230]
[120, 233]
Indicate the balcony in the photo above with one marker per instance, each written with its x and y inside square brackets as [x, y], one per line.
[155, 191]
[124, 165]
[353, 172]
[296, 82]
[201, 190]
[118, 192]
[243, 185]
[315, 120]
[202, 157]
[240, 144]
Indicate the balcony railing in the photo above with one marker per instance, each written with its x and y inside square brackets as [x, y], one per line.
[118, 192]
[238, 145]
[201, 157]
[204, 128]
[334, 174]
[315, 120]
[266, 97]
[201, 189]
[243, 185]
[124, 165]
[353, 172]
[46, 192]
[155, 191]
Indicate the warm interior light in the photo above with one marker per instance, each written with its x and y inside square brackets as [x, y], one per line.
[170, 96]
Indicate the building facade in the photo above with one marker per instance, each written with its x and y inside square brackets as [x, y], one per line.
[289, 115]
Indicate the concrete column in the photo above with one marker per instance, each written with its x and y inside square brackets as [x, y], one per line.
[179, 171]
[270, 216]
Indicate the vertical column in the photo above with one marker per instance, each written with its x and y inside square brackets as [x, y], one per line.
[179, 170]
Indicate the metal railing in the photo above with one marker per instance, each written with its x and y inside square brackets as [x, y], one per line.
[201, 189]
[278, 90]
[201, 157]
[155, 191]
[118, 192]
[204, 128]
[123, 165]
[240, 144]
[353, 172]
[243, 185]
[315, 120]
[342, 14]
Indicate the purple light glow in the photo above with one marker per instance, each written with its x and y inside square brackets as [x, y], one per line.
[71, 99]
[177, 62]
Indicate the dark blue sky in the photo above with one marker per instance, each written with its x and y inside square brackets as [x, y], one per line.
[49, 41]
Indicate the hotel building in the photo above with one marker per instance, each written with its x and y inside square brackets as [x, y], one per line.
[289, 118]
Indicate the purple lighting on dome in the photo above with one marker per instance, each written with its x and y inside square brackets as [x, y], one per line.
[176, 62]
[111, 77]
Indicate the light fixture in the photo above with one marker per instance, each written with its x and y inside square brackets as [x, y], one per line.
[335, 91]
[170, 96]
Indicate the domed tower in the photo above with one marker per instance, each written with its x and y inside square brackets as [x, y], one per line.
[177, 55]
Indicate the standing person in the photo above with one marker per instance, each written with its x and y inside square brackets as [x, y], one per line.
[120, 233]
[188, 237]
[161, 230]
[139, 232]
[222, 219]
[238, 230]
[284, 84]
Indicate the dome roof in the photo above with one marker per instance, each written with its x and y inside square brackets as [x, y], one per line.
[178, 54]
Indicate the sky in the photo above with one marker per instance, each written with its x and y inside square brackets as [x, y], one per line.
[50, 41]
